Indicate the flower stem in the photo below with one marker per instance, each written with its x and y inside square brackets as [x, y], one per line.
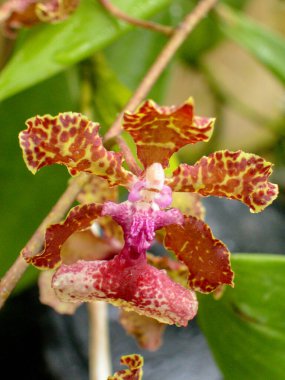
[167, 30]
[130, 160]
[99, 350]
[178, 37]
[13, 275]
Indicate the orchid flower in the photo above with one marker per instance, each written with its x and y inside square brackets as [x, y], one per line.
[16, 14]
[127, 280]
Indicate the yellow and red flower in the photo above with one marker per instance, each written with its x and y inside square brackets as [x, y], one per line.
[126, 278]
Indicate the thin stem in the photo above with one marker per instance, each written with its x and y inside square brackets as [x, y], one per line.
[167, 30]
[179, 36]
[99, 350]
[13, 275]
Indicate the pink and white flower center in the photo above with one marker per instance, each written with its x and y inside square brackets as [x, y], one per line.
[142, 214]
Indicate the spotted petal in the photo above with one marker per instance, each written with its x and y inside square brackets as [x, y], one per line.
[131, 284]
[160, 131]
[207, 258]
[189, 204]
[79, 218]
[235, 175]
[56, 10]
[14, 14]
[72, 140]
[147, 331]
[97, 190]
[135, 371]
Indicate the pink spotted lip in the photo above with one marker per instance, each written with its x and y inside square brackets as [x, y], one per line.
[134, 286]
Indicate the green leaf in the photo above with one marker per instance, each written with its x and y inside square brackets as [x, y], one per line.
[246, 327]
[26, 199]
[132, 55]
[266, 46]
[109, 94]
[48, 49]
[206, 34]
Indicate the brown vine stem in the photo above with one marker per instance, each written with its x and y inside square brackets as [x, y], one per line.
[13, 275]
[167, 30]
[99, 350]
[10, 279]
[130, 160]
[179, 36]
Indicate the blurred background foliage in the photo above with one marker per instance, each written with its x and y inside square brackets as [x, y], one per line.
[233, 66]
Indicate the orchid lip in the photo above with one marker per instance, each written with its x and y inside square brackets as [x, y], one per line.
[140, 287]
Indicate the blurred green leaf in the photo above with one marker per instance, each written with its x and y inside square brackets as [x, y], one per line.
[246, 327]
[109, 94]
[206, 34]
[48, 49]
[266, 46]
[132, 55]
[26, 199]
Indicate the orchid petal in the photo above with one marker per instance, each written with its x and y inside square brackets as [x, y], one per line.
[207, 258]
[147, 331]
[55, 10]
[48, 297]
[72, 140]
[84, 245]
[97, 190]
[235, 175]
[14, 14]
[131, 284]
[189, 204]
[79, 218]
[160, 131]
[135, 371]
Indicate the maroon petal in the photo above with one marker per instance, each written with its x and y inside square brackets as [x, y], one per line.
[79, 218]
[207, 258]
